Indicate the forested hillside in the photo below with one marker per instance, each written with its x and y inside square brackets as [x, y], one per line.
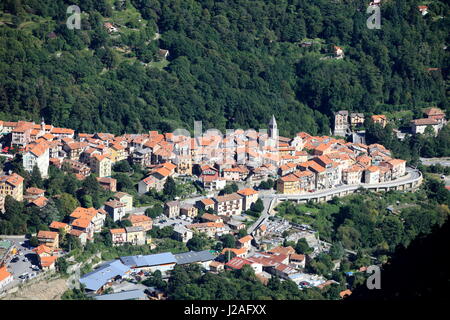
[232, 63]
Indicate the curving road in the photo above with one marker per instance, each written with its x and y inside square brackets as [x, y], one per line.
[412, 176]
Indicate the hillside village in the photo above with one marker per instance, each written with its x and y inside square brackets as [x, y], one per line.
[261, 163]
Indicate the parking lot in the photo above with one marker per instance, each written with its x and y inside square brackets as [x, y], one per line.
[163, 221]
[23, 265]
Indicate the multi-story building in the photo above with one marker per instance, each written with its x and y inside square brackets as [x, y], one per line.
[189, 210]
[230, 204]
[138, 220]
[101, 165]
[115, 209]
[172, 209]
[11, 185]
[48, 238]
[340, 123]
[125, 198]
[37, 155]
[249, 196]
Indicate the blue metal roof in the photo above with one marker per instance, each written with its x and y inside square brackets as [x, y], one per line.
[96, 279]
[124, 295]
[149, 260]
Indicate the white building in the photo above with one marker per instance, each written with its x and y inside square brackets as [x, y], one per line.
[37, 155]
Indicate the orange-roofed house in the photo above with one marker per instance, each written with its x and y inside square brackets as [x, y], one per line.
[423, 9]
[261, 230]
[5, 277]
[379, 119]
[49, 238]
[34, 192]
[56, 226]
[338, 52]
[125, 198]
[61, 133]
[298, 259]
[240, 252]
[287, 251]
[238, 262]
[245, 242]
[418, 126]
[48, 263]
[88, 220]
[436, 114]
[372, 175]
[353, 175]
[115, 209]
[289, 184]
[210, 228]
[101, 165]
[205, 204]
[397, 167]
[37, 155]
[119, 236]
[141, 221]
[249, 196]
[109, 184]
[39, 202]
[43, 251]
[11, 185]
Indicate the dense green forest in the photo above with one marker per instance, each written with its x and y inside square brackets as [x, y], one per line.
[232, 63]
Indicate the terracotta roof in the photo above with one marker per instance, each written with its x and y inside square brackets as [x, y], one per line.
[228, 197]
[235, 251]
[211, 217]
[373, 169]
[58, 225]
[245, 239]
[42, 249]
[433, 111]
[207, 201]
[34, 191]
[247, 192]
[289, 178]
[40, 202]
[116, 231]
[424, 122]
[115, 204]
[48, 261]
[282, 250]
[4, 274]
[81, 223]
[13, 179]
[47, 234]
[136, 218]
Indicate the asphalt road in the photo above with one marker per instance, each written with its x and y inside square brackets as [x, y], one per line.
[430, 161]
[268, 198]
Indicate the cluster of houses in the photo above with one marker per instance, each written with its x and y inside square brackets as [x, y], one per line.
[280, 261]
[225, 207]
[301, 164]
[345, 122]
[84, 223]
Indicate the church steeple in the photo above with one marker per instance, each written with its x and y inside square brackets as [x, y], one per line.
[273, 128]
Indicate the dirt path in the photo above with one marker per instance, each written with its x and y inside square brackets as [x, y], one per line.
[42, 290]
